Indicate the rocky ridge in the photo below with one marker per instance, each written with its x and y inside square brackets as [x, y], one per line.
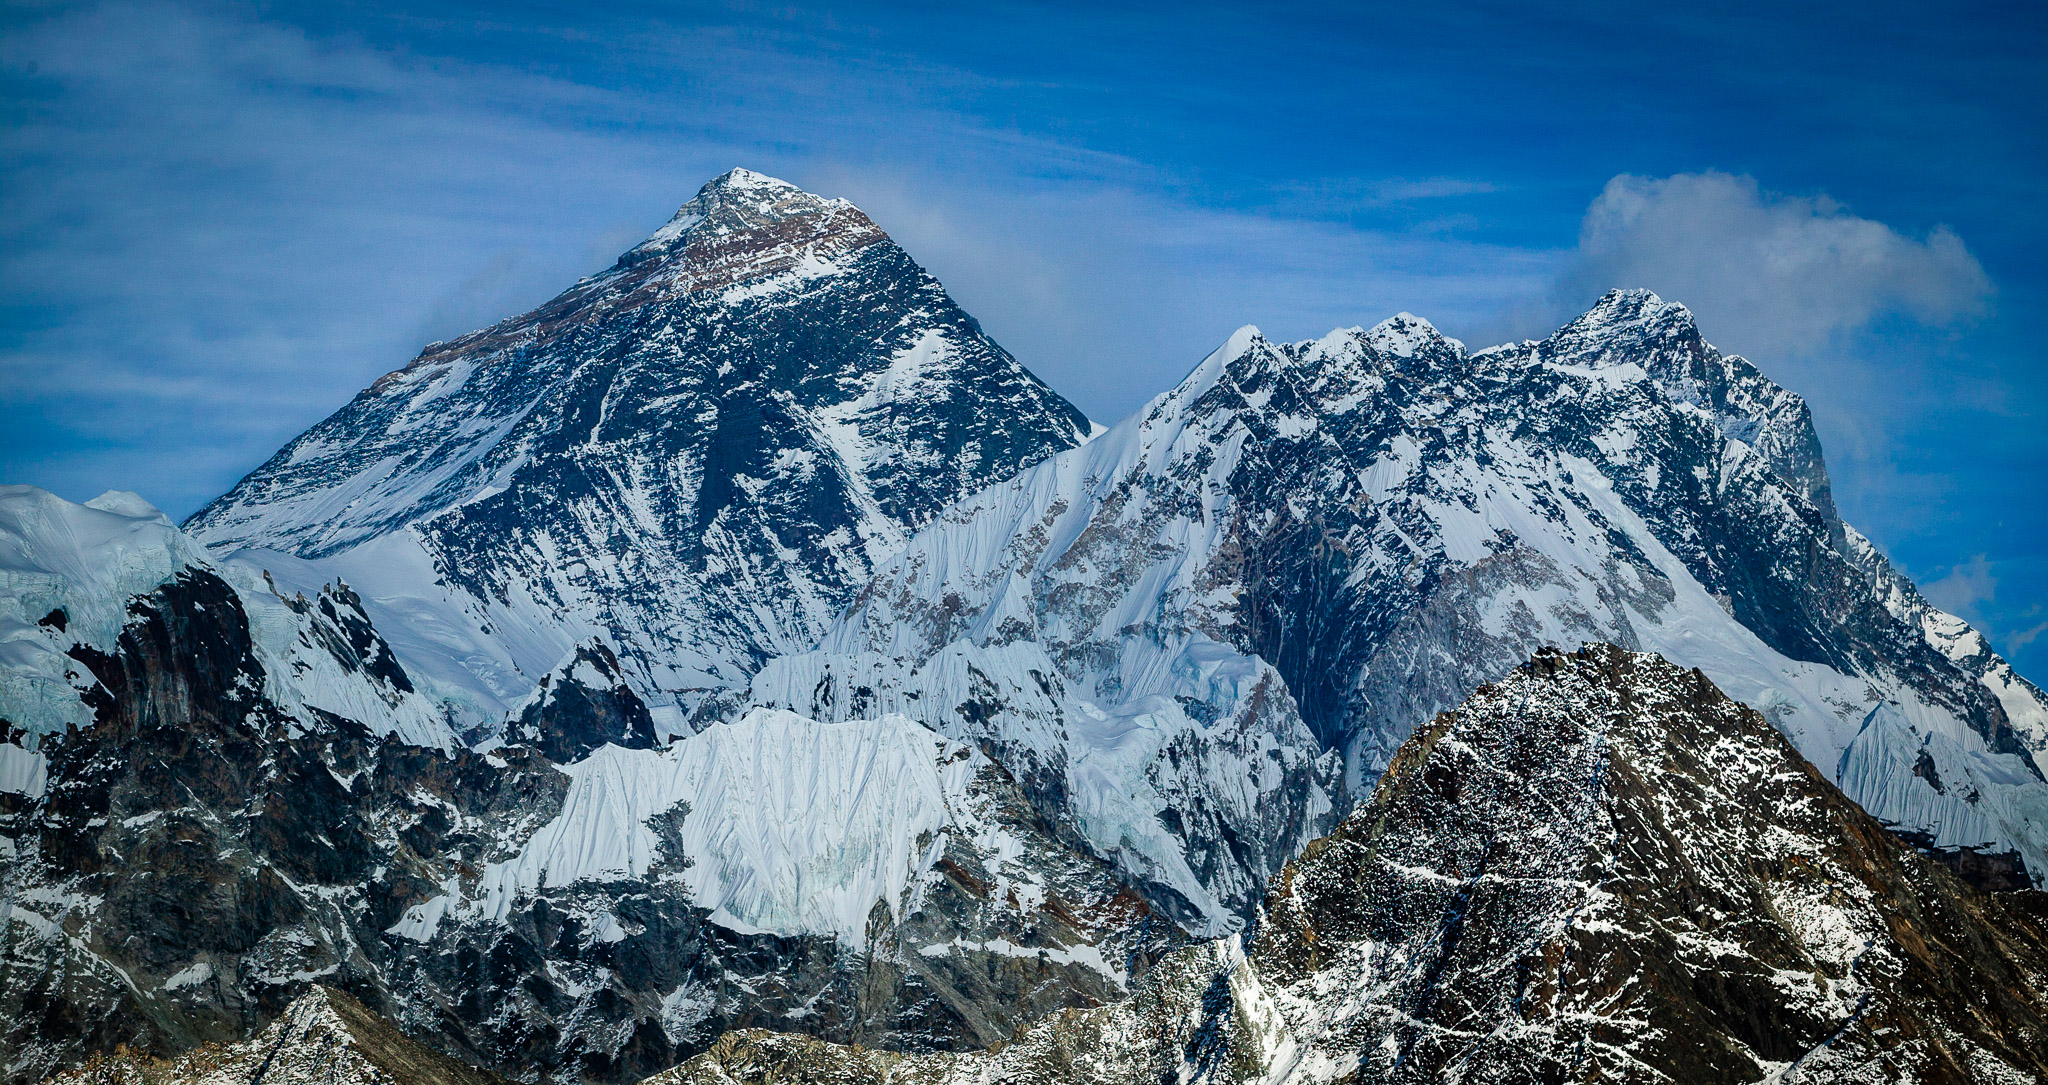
[324, 1038]
[1599, 868]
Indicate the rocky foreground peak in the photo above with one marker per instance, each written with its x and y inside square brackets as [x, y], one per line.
[1598, 868]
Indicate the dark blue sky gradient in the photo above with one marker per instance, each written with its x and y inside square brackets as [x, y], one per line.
[220, 221]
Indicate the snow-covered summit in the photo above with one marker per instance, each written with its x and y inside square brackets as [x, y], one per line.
[765, 217]
[1405, 335]
[695, 458]
[1663, 330]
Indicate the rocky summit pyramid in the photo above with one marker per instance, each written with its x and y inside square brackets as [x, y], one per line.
[1600, 868]
[694, 458]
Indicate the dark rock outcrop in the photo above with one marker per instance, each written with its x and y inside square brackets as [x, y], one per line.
[324, 1038]
[201, 859]
[583, 704]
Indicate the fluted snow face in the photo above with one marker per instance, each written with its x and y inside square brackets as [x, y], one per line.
[695, 456]
[1388, 520]
[787, 825]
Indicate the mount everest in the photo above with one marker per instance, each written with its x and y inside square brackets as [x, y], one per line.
[694, 457]
[743, 639]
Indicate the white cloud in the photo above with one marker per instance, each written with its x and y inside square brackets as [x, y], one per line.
[1964, 588]
[1767, 273]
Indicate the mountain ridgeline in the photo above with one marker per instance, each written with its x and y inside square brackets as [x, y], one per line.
[741, 661]
[695, 457]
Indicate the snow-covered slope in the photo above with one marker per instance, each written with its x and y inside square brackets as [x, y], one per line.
[205, 848]
[1378, 521]
[69, 574]
[1600, 869]
[694, 457]
[781, 825]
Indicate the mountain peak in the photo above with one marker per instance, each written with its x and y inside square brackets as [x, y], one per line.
[1620, 309]
[741, 179]
[741, 216]
[1405, 335]
[1627, 326]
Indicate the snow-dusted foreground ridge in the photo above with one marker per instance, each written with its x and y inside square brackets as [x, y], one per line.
[694, 457]
[1599, 869]
[1321, 544]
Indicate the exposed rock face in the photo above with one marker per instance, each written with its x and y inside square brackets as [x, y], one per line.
[1365, 527]
[586, 703]
[184, 865]
[324, 1038]
[1600, 868]
[694, 457]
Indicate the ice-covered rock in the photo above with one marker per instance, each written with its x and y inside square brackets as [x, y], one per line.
[70, 575]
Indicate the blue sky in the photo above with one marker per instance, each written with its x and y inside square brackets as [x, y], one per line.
[222, 220]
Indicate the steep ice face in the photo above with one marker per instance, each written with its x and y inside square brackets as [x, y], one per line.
[694, 457]
[1387, 520]
[69, 574]
[774, 824]
[785, 825]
